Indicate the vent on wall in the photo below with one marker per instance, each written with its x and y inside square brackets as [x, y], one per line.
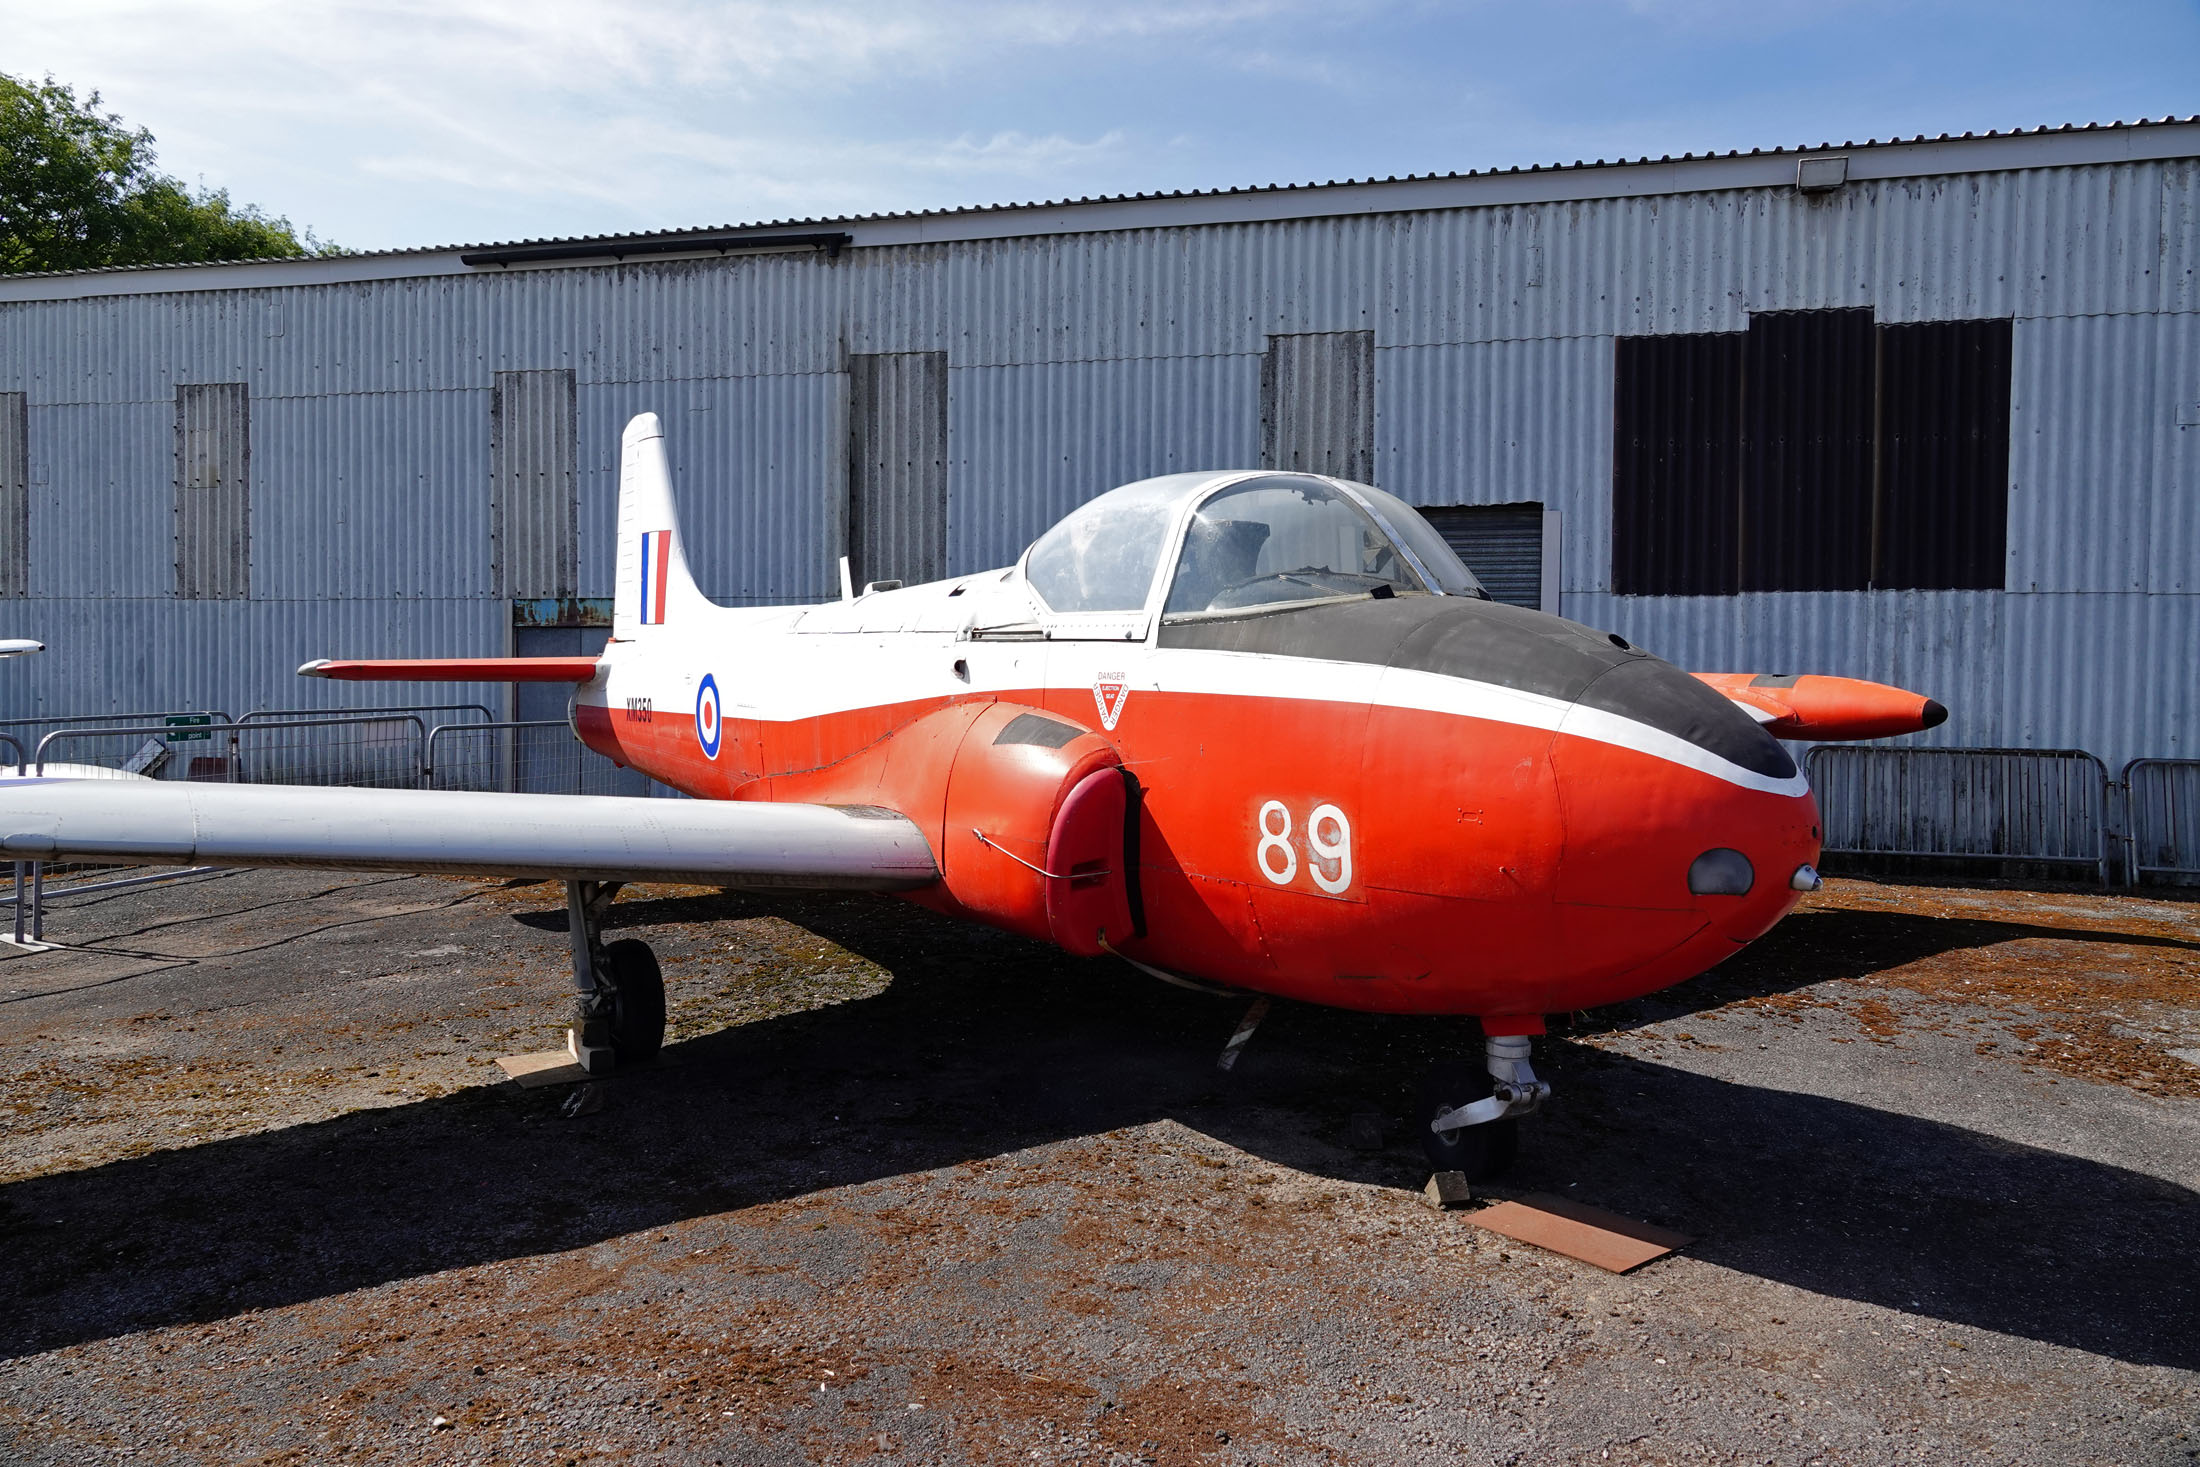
[1501, 543]
[213, 491]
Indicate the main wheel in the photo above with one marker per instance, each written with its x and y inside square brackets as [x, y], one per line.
[637, 1002]
[1478, 1152]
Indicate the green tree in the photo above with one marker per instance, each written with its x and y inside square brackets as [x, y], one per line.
[79, 190]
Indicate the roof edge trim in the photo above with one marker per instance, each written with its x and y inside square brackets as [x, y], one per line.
[2065, 147]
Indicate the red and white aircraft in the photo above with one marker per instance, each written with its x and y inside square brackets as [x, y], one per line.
[1258, 730]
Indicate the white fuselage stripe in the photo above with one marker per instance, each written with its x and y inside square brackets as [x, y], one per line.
[770, 673]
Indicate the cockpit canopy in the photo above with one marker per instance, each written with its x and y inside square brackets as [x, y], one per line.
[1241, 541]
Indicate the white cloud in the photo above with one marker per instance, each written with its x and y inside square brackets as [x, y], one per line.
[650, 113]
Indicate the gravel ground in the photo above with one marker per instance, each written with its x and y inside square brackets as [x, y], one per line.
[907, 1191]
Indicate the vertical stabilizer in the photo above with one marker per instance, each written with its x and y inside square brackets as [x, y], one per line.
[653, 587]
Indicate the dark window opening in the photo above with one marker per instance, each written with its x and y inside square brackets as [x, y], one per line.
[1817, 451]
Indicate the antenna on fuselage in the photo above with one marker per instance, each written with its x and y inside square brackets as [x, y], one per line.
[847, 581]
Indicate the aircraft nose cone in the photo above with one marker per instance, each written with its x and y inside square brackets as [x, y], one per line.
[1684, 825]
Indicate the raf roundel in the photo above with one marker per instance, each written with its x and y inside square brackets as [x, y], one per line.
[707, 727]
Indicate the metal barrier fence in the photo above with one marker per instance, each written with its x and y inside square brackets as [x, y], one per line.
[391, 748]
[2047, 806]
[186, 724]
[2161, 818]
[258, 714]
[538, 756]
[384, 749]
[394, 748]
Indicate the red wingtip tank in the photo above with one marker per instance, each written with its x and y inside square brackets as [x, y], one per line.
[1810, 706]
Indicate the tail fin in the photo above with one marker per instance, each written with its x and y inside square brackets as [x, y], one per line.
[653, 585]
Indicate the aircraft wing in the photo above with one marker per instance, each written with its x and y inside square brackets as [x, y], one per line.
[569, 837]
[1810, 706]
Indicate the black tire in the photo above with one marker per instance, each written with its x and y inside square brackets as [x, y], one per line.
[637, 1003]
[1477, 1152]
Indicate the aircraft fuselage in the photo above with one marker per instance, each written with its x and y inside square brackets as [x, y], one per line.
[1409, 804]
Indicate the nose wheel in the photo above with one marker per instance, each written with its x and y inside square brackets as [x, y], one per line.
[619, 991]
[1471, 1113]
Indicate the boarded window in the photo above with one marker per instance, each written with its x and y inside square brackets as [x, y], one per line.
[1815, 452]
[897, 467]
[1943, 502]
[15, 494]
[1501, 543]
[1806, 451]
[1317, 404]
[213, 491]
[534, 443]
[1676, 464]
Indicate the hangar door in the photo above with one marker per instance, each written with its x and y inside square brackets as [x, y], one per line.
[897, 467]
[551, 761]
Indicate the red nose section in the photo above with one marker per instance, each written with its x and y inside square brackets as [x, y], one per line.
[1666, 870]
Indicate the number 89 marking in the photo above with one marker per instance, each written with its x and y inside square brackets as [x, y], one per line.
[1328, 845]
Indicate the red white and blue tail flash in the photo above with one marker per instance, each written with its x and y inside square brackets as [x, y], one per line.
[656, 555]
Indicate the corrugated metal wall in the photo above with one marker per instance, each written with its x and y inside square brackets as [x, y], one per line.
[15, 494]
[1075, 362]
[213, 491]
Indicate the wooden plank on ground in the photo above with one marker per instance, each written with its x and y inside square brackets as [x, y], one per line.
[550, 1067]
[1605, 1239]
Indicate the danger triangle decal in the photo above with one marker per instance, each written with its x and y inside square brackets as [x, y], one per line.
[1110, 692]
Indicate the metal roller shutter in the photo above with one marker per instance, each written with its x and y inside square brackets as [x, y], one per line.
[1501, 543]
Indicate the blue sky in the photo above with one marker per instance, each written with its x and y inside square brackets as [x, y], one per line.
[385, 123]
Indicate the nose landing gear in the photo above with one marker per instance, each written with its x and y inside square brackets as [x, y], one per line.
[619, 991]
[1473, 1112]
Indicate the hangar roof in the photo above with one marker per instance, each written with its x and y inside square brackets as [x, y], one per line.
[2069, 145]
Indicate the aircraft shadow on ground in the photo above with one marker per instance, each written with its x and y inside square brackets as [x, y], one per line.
[984, 1045]
[1823, 944]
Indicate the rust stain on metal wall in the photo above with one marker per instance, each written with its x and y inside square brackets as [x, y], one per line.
[1317, 404]
[897, 466]
[213, 491]
[15, 494]
[534, 509]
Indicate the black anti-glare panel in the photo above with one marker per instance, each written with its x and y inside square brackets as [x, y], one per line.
[1943, 518]
[1806, 501]
[1675, 464]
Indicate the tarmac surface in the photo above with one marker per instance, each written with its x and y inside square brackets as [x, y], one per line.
[902, 1190]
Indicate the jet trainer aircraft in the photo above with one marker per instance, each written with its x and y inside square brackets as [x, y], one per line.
[1259, 731]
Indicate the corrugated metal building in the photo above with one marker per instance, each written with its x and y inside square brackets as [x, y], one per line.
[1922, 411]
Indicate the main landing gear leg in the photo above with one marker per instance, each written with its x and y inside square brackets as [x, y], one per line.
[1473, 1113]
[619, 992]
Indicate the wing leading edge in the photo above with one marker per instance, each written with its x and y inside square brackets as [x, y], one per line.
[568, 837]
